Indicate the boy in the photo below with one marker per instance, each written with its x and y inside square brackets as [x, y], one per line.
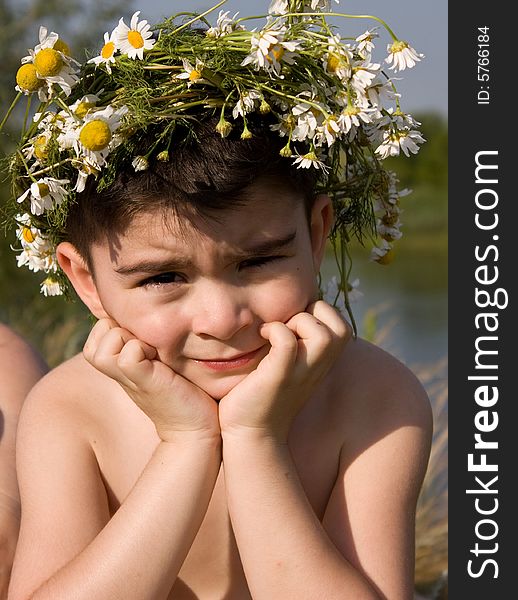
[221, 436]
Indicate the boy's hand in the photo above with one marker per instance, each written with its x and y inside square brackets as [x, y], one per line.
[168, 399]
[302, 351]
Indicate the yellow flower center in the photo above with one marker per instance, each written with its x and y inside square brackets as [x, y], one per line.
[95, 135]
[27, 78]
[108, 50]
[351, 110]
[135, 39]
[61, 46]
[334, 62]
[398, 46]
[194, 75]
[28, 235]
[387, 258]
[40, 147]
[278, 52]
[48, 62]
[43, 189]
[83, 108]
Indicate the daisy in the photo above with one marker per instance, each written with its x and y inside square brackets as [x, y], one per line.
[45, 194]
[140, 163]
[308, 117]
[285, 126]
[269, 50]
[85, 168]
[380, 92]
[329, 131]
[399, 119]
[106, 57]
[50, 287]
[352, 117]
[363, 76]
[395, 141]
[278, 7]
[133, 40]
[306, 161]
[388, 227]
[224, 25]
[365, 44]
[192, 74]
[38, 148]
[95, 139]
[337, 60]
[50, 63]
[28, 82]
[402, 56]
[82, 106]
[36, 251]
[321, 4]
[382, 254]
[246, 103]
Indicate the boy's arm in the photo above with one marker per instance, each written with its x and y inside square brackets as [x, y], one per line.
[363, 550]
[20, 369]
[69, 547]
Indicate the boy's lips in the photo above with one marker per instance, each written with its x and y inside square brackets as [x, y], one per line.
[224, 364]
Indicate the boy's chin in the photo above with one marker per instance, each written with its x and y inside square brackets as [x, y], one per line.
[219, 388]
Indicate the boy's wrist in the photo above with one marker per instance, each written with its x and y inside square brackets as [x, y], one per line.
[253, 436]
[209, 437]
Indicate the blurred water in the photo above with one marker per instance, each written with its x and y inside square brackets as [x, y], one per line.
[409, 296]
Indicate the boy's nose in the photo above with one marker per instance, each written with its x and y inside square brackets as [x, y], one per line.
[220, 311]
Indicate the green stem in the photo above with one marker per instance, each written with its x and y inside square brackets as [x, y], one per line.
[345, 256]
[347, 16]
[198, 17]
[29, 174]
[26, 116]
[14, 103]
[46, 169]
[296, 98]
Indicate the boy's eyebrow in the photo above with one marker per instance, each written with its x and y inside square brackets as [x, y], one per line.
[263, 247]
[260, 248]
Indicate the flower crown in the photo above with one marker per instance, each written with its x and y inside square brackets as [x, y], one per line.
[321, 92]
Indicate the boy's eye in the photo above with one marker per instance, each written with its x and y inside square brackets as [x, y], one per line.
[260, 261]
[163, 279]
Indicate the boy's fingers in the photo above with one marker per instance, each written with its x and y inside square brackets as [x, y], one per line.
[314, 337]
[320, 331]
[99, 330]
[332, 318]
[134, 360]
[283, 343]
[104, 355]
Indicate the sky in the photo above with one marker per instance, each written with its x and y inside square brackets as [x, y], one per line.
[423, 23]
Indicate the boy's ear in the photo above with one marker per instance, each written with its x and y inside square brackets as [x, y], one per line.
[322, 216]
[76, 269]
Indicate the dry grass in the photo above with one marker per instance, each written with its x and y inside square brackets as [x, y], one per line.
[431, 572]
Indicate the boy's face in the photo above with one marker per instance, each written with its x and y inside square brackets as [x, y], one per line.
[199, 295]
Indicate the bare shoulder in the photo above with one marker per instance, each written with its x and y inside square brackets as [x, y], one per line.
[378, 402]
[64, 502]
[71, 395]
[382, 416]
[375, 389]
[20, 368]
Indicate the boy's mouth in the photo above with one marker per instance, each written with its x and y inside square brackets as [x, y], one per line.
[234, 362]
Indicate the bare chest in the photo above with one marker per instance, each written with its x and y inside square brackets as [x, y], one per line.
[212, 569]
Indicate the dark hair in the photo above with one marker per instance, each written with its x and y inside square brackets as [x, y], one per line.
[202, 176]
